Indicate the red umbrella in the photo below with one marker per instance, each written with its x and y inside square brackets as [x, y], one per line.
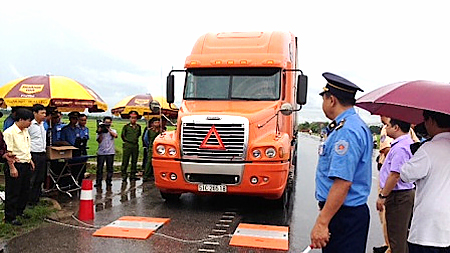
[407, 100]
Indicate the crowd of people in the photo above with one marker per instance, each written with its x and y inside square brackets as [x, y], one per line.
[414, 179]
[414, 175]
[23, 146]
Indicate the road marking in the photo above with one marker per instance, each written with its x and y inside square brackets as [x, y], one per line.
[206, 250]
[211, 243]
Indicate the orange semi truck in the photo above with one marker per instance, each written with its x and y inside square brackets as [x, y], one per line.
[236, 126]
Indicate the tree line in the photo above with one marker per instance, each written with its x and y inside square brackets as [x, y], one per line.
[316, 127]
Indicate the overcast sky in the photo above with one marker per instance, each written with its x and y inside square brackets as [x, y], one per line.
[121, 48]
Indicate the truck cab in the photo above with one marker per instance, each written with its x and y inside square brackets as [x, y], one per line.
[236, 126]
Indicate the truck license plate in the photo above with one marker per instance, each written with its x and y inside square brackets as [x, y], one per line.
[212, 188]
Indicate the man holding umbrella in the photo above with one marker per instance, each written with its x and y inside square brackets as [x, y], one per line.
[430, 170]
[344, 172]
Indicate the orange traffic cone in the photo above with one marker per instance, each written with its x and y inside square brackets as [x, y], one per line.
[86, 211]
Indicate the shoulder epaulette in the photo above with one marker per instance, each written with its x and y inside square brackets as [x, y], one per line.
[340, 125]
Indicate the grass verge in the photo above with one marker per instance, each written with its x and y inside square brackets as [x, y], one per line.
[37, 215]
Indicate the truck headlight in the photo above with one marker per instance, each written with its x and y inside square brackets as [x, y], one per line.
[271, 152]
[256, 153]
[172, 151]
[160, 149]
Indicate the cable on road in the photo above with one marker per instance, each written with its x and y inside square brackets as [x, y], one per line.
[85, 224]
[67, 225]
[91, 227]
[193, 241]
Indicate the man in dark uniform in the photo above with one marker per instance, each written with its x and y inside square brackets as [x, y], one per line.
[84, 133]
[150, 136]
[344, 173]
[71, 132]
[130, 137]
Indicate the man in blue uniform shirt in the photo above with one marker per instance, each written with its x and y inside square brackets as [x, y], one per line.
[55, 128]
[71, 132]
[84, 133]
[344, 173]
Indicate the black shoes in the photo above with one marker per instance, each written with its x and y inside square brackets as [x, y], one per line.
[380, 249]
[25, 216]
[14, 222]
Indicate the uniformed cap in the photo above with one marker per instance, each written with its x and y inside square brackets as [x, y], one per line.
[55, 114]
[74, 114]
[339, 86]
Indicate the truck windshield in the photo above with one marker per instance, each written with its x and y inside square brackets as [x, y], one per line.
[233, 84]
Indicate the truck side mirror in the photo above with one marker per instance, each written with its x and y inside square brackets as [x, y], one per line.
[302, 89]
[170, 89]
[286, 109]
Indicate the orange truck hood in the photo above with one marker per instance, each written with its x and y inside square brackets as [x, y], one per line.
[254, 111]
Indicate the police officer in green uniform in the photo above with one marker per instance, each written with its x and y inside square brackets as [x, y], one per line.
[150, 136]
[344, 173]
[130, 137]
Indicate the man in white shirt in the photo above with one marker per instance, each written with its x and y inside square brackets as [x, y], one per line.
[106, 151]
[430, 169]
[38, 146]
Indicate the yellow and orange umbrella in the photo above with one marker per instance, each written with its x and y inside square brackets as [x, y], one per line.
[170, 110]
[55, 91]
[141, 104]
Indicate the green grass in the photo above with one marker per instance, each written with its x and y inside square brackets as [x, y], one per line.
[37, 215]
[92, 143]
[117, 125]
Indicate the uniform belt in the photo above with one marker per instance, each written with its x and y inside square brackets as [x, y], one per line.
[322, 204]
[38, 153]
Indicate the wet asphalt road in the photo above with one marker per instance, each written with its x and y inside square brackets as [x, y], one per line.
[192, 218]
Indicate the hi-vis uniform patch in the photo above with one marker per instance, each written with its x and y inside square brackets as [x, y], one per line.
[341, 147]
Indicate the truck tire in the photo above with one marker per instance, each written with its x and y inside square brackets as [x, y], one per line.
[170, 197]
[283, 202]
[285, 199]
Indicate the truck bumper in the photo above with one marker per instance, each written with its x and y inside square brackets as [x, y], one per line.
[271, 177]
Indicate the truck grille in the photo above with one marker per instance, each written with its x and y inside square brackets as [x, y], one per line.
[233, 136]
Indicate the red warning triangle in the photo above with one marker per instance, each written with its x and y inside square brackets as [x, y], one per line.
[220, 146]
